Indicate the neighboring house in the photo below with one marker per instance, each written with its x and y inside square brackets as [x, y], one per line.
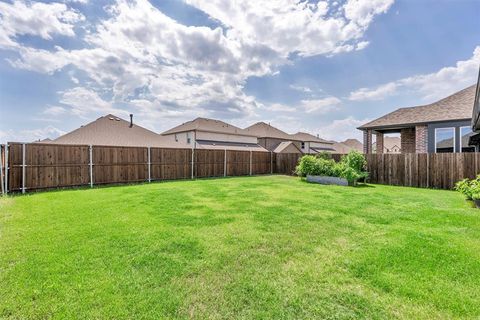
[111, 130]
[442, 126]
[287, 147]
[346, 146]
[203, 133]
[390, 145]
[274, 139]
[354, 144]
[475, 138]
[311, 144]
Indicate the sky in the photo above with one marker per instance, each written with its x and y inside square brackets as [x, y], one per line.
[323, 67]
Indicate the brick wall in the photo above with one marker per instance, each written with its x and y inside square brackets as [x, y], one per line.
[380, 144]
[421, 139]
[408, 140]
[367, 141]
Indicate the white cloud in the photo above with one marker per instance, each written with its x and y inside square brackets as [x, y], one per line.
[82, 101]
[37, 19]
[301, 88]
[278, 107]
[362, 12]
[431, 86]
[342, 129]
[54, 111]
[290, 26]
[321, 106]
[378, 93]
[145, 61]
[30, 135]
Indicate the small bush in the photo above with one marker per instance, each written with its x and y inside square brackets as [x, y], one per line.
[469, 188]
[311, 165]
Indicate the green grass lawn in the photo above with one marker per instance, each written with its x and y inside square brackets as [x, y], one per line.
[271, 247]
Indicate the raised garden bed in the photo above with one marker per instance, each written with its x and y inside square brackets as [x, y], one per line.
[327, 180]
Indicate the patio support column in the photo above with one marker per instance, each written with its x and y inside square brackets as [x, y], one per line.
[407, 139]
[380, 143]
[367, 141]
[421, 139]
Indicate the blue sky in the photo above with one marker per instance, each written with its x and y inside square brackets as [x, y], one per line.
[323, 67]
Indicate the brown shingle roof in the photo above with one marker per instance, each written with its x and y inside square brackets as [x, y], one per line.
[354, 144]
[287, 147]
[457, 106]
[209, 125]
[110, 130]
[307, 137]
[263, 130]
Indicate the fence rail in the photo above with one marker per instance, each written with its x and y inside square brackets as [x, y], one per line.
[26, 167]
[36, 166]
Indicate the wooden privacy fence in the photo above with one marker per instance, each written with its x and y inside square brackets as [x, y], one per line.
[25, 167]
[432, 170]
[41, 166]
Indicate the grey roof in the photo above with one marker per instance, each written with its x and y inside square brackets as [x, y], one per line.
[264, 130]
[208, 125]
[111, 130]
[457, 106]
[307, 137]
[226, 145]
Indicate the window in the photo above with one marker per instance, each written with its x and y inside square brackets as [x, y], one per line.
[444, 140]
[189, 139]
[303, 145]
[465, 133]
[176, 137]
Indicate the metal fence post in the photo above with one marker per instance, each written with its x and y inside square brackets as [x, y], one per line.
[193, 161]
[6, 168]
[271, 162]
[91, 165]
[1, 170]
[428, 170]
[149, 165]
[225, 164]
[23, 167]
[250, 162]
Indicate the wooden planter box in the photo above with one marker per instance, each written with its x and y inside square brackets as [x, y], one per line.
[327, 180]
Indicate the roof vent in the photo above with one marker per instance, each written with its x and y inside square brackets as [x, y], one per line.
[131, 120]
[117, 119]
[110, 118]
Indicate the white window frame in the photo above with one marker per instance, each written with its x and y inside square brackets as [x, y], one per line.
[461, 137]
[189, 138]
[454, 138]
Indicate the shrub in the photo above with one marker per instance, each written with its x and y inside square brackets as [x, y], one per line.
[469, 188]
[463, 186]
[351, 167]
[355, 160]
[311, 165]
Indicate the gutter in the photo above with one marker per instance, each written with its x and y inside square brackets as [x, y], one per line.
[409, 125]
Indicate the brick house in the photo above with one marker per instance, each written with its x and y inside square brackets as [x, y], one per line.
[442, 126]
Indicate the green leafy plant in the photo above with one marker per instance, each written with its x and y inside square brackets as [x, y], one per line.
[351, 167]
[464, 187]
[470, 188]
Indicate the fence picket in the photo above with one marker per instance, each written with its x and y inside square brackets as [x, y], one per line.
[38, 166]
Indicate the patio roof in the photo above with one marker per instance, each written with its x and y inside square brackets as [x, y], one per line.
[457, 106]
